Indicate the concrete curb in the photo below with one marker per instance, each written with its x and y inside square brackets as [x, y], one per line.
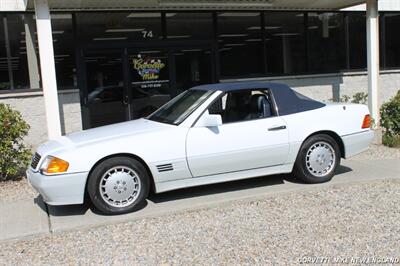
[31, 218]
[23, 218]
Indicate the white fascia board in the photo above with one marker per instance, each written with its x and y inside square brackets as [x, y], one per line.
[384, 5]
[13, 5]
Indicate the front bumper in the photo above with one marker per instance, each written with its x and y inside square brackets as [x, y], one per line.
[63, 189]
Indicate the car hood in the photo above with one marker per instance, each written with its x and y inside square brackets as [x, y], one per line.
[104, 133]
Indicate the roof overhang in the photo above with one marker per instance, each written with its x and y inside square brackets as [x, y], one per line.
[323, 5]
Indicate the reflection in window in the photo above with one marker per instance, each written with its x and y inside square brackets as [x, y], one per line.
[181, 26]
[240, 44]
[118, 26]
[357, 40]
[4, 75]
[14, 71]
[392, 23]
[193, 67]
[181, 107]
[64, 50]
[326, 33]
[285, 44]
[105, 88]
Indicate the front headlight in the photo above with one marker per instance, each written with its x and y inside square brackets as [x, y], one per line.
[54, 165]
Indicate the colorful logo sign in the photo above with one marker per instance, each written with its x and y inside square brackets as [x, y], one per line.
[148, 68]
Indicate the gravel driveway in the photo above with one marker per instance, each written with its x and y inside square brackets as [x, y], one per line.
[359, 220]
[378, 152]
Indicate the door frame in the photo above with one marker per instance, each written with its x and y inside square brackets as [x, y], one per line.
[168, 46]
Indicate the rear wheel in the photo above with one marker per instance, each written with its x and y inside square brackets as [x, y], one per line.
[317, 160]
[118, 185]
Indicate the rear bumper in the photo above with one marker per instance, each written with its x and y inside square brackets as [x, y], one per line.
[357, 142]
[62, 189]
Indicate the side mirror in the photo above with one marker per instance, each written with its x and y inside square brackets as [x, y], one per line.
[207, 120]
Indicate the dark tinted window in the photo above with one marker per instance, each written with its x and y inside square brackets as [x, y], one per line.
[240, 44]
[4, 75]
[13, 36]
[285, 44]
[357, 40]
[109, 27]
[64, 50]
[327, 48]
[181, 26]
[392, 25]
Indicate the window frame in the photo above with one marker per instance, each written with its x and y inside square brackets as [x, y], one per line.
[274, 108]
[149, 117]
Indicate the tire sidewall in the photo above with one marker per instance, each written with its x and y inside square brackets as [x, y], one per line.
[301, 170]
[95, 178]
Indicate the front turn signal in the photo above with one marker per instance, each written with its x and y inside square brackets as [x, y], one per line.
[55, 165]
[366, 122]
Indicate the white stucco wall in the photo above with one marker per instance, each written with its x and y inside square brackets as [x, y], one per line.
[31, 106]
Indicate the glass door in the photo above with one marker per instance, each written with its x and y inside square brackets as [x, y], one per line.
[106, 99]
[149, 86]
[130, 83]
[157, 75]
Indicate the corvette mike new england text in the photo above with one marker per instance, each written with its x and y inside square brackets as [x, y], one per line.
[348, 260]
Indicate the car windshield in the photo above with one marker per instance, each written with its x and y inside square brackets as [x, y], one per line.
[179, 108]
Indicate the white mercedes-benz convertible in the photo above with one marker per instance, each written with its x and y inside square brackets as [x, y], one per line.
[208, 134]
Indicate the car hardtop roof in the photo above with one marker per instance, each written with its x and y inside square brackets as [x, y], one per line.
[286, 99]
[234, 86]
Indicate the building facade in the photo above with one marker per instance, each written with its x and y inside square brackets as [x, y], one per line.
[118, 64]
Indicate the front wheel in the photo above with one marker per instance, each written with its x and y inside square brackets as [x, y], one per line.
[317, 160]
[118, 185]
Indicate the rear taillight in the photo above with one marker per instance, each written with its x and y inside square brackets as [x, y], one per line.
[366, 122]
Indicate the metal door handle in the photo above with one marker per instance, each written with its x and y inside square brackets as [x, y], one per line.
[276, 128]
[125, 99]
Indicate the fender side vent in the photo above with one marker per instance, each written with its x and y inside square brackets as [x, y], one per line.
[165, 167]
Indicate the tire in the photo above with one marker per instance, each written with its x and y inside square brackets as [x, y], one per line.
[118, 185]
[317, 160]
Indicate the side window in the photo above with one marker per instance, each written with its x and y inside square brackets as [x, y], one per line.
[243, 105]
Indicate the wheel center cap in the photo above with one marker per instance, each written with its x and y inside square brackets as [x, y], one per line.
[120, 186]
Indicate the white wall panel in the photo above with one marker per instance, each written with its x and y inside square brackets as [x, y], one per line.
[384, 5]
[13, 5]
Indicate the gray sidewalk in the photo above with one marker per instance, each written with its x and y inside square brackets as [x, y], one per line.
[32, 217]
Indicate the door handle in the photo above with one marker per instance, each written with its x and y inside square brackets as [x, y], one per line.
[276, 128]
[125, 99]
